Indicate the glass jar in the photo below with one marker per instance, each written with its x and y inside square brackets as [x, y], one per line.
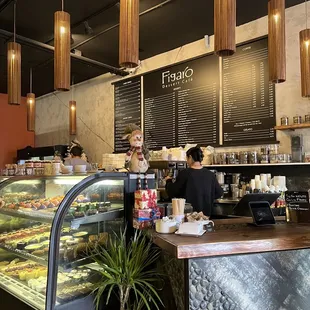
[264, 159]
[231, 158]
[282, 158]
[284, 121]
[273, 158]
[297, 120]
[244, 158]
[253, 158]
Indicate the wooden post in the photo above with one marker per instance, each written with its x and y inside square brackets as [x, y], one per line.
[276, 41]
[62, 58]
[129, 34]
[224, 27]
[14, 73]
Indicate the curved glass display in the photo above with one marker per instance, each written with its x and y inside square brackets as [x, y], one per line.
[48, 226]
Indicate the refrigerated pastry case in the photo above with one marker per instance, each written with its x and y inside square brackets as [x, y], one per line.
[47, 227]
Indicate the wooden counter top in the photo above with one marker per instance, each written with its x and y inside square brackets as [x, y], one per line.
[243, 240]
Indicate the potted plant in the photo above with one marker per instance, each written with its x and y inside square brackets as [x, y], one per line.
[127, 268]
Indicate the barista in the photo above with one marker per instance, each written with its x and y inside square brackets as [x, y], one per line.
[196, 184]
[76, 158]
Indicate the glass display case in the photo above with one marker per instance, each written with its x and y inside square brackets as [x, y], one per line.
[48, 226]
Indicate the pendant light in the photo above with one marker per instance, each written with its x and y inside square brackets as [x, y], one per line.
[224, 27]
[276, 41]
[304, 41]
[129, 33]
[14, 68]
[62, 58]
[72, 112]
[31, 107]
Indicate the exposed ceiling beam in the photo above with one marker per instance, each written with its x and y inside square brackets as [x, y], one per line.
[4, 4]
[47, 47]
[116, 25]
[89, 17]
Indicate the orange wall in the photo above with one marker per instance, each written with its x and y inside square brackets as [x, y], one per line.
[13, 130]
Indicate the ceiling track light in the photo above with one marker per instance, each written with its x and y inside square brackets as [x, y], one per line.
[31, 106]
[62, 58]
[129, 34]
[14, 68]
[276, 41]
[304, 41]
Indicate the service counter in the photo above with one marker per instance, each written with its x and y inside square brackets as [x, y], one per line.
[240, 266]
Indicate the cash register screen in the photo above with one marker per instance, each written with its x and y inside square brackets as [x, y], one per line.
[262, 213]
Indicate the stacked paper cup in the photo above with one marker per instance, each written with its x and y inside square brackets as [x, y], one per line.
[178, 205]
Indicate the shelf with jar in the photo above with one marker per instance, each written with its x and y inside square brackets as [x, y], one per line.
[49, 227]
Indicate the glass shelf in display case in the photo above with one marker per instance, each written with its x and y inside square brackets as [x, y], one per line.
[48, 227]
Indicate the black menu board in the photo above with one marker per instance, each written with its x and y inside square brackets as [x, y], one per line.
[248, 97]
[297, 200]
[181, 104]
[127, 100]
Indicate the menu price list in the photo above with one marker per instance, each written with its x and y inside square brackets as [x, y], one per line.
[248, 96]
[127, 100]
[181, 104]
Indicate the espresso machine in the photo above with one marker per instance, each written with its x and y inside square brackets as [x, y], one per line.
[162, 169]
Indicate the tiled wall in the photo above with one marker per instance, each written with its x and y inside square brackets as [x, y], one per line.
[95, 101]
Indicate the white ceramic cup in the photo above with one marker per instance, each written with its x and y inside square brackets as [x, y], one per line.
[66, 169]
[80, 168]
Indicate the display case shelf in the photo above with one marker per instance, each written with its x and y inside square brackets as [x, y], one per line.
[24, 255]
[42, 261]
[38, 216]
[29, 215]
[30, 297]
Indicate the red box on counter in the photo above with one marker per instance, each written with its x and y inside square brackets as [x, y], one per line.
[142, 214]
[145, 198]
[142, 224]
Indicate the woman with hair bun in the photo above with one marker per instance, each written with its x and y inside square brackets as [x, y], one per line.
[196, 184]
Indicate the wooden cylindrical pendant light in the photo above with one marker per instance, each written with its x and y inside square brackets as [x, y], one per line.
[31, 111]
[72, 117]
[224, 27]
[129, 34]
[14, 73]
[304, 41]
[276, 41]
[62, 58]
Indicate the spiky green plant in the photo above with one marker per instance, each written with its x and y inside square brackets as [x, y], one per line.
[127, 269]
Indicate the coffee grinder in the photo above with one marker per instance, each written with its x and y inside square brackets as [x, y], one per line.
[297, 148]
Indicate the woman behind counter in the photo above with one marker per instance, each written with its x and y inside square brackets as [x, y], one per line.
[196, 184]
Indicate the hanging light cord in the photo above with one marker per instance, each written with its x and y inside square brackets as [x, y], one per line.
[306, 2]
[14, 38]
[31, 80]
[72, 93]
[62, 5]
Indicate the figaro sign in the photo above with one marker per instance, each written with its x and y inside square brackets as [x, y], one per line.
[173, 79]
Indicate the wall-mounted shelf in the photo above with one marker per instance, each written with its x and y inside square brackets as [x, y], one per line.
[258, 165]
[292, 127]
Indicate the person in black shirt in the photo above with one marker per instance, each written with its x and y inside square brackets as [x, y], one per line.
[196, 184]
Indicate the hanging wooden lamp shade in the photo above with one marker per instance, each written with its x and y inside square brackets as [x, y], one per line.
[224, 27]
[276, 41]
[129, 34]
[72, 117]
[304, 41]
[14, 73]
[62, 58]
[31, 111]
